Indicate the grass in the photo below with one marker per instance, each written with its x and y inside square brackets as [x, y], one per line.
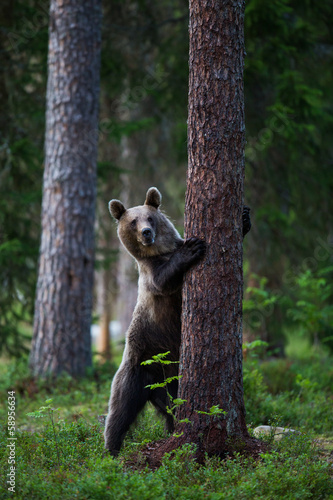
[293, 392]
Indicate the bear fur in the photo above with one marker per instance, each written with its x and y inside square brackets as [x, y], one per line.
[163, 258]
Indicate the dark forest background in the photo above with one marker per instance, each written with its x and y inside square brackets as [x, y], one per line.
[142, 142]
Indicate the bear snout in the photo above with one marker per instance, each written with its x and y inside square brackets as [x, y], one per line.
[148, 236]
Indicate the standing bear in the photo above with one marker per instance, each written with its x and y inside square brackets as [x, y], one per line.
[163, 257]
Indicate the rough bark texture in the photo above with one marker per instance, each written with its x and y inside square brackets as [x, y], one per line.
[211, 349]
[211, 353]
[64, 289]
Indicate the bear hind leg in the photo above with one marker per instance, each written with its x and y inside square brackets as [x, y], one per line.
[128, 397]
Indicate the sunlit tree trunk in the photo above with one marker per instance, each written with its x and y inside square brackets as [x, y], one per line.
[61, 340]
[104, 302]
[211, 352]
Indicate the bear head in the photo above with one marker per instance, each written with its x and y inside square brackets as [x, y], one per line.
[144, 230]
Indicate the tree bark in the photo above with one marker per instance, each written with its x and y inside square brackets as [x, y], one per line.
[211, 352]
[61, 340]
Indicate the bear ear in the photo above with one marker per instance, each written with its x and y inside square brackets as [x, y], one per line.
[153, 197]
[116, 208]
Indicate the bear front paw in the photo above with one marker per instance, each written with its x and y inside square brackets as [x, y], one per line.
[246, 220]
[193, 249]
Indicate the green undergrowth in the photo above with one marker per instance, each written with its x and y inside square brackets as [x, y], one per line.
[298, 391]
[59, 450]
[291, 469]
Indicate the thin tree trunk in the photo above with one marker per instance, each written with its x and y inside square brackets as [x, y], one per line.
[64, 290]
[127, 274]
[103, 308]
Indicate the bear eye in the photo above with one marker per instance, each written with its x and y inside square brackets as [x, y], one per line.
[150, 219]
[133, 223]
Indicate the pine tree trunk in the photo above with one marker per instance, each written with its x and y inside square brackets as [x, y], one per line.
[211, 353]
[63, 305]
[103, 307]
[127, 273]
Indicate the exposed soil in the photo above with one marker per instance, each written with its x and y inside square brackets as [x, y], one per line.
[153, 453]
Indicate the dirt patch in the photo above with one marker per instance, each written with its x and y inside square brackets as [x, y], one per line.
[152, 454]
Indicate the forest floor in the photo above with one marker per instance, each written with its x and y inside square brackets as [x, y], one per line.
[59, 451]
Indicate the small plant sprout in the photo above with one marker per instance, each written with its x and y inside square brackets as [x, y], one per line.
[48, 412]
[174, 403]
[214, 412]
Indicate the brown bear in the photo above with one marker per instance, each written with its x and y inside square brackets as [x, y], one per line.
[162, 257]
